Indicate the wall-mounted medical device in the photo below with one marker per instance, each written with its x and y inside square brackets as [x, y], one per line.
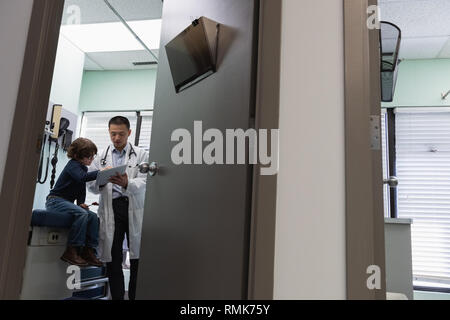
[55, 120]
[192, 54]
[59, 127]
[65, 134]
[56, 133]
[390, 40]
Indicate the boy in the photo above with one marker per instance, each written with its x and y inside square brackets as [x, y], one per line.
[71, 186]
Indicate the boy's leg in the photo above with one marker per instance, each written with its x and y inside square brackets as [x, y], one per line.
[89, 253]
[92, 230]
[77, 233]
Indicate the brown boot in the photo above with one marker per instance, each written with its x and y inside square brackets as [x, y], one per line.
[71, 256]
[88, 254]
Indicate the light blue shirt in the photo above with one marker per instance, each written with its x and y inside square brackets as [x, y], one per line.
[118, 159]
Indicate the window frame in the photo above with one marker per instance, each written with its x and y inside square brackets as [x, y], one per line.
[391, 158]
[139, 116]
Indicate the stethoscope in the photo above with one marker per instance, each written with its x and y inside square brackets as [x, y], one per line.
[132, 152]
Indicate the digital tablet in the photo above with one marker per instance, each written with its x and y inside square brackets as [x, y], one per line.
[104, 176]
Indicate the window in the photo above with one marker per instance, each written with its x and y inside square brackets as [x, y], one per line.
[385, 144]
[146, 130]
[94, 126]
[423, 170]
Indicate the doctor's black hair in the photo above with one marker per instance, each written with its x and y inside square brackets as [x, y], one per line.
[119, 121]
[82, 148]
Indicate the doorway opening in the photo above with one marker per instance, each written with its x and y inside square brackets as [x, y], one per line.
[106, 66]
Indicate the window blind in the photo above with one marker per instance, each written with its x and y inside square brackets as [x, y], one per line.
[95, 127]
[423, 169]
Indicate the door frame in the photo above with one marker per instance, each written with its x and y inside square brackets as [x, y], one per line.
[264, 195]
[364, 184]
[364, 209]
[19, 180]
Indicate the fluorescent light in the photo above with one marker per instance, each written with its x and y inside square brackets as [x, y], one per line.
[113, 36]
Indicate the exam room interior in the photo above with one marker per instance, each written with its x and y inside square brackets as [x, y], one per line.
[95, 76]
[424, 74]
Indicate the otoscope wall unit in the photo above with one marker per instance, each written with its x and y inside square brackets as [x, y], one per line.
[58, 134]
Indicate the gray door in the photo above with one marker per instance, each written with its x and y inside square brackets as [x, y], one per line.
[195, 237]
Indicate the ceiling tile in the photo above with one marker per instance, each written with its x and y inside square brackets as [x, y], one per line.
[418, 18]
[425, 26]
[421, 48]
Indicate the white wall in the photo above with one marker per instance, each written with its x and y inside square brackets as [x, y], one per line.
[66, 88]
[310, 225]
[14, 21]
[67, 76]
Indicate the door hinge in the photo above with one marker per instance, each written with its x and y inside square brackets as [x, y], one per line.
[375, 132]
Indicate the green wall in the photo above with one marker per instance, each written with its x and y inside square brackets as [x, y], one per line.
[421, 82]
[118, 90]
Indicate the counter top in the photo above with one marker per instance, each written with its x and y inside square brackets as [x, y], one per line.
[398, 221]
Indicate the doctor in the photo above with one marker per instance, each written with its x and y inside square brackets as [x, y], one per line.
[121, 206]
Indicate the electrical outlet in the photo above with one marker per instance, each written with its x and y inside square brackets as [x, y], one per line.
[53, 237]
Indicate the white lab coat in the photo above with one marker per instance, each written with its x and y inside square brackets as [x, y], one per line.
[136, 194]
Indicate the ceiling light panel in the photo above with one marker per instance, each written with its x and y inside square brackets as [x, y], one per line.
[112, 37]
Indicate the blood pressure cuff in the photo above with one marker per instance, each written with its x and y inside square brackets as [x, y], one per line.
[44, 218]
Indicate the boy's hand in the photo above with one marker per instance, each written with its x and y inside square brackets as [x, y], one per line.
[107, 168]
[84, 206]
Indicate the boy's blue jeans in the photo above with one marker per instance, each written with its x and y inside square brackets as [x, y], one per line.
[84, 230]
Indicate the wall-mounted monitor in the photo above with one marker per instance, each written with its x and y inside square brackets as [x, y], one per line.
[192, 54]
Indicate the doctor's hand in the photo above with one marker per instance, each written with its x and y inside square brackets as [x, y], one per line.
[107, 168]
[120, 180]
[84, 206]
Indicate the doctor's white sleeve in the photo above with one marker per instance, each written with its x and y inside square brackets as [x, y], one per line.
[92, 186]
[137, 185]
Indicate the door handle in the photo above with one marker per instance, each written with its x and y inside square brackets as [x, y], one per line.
[151, 169]
[392, 182]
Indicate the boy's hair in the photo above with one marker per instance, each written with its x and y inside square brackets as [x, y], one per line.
[82, 148]
[119, 121]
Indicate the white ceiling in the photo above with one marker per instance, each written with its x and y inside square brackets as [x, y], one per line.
[425, 26]
[96, 11]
